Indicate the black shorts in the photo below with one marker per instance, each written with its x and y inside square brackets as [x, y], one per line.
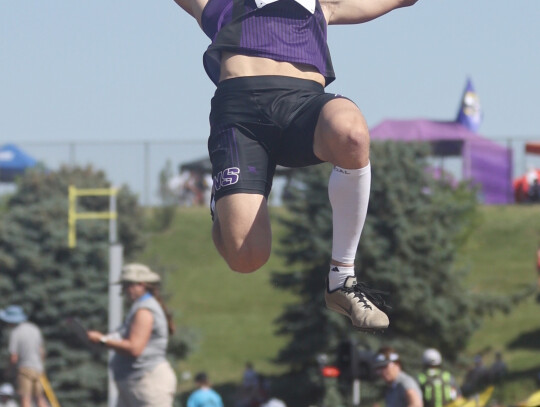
[257, 123]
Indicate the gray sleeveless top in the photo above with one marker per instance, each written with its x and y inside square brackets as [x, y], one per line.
[126, 367]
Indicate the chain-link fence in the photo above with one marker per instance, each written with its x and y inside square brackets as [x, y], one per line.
[138, 163]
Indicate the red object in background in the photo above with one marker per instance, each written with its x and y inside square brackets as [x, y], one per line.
[522, 184]
[532, 148]
[330, 371]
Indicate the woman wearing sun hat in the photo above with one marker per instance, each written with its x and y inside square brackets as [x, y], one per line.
[141, 372]
[402, 389]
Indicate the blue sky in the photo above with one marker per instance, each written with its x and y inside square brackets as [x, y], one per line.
[79, 71]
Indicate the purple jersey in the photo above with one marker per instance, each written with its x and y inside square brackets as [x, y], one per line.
[282, 31]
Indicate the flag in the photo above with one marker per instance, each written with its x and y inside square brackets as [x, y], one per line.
[470, 111]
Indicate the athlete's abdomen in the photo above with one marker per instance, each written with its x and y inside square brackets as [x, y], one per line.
[237, 65]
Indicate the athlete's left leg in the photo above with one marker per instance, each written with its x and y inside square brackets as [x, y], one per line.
[342, 138]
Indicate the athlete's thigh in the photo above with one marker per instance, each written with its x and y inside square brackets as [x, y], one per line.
[296, 147]
[244, 223]
[242, 173]
[340, 127]
[240, 164]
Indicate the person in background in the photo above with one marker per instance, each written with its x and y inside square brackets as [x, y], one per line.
[7, 395]
[438, 386]
[402, 390]
[498, 370]
[250, 392]
[534, 191]
[532, 184]
[250, 378]
[204, 396]
[141, 372]
[26, 355]
[475, 378]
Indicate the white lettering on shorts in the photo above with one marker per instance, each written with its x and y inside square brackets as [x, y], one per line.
[228, 176]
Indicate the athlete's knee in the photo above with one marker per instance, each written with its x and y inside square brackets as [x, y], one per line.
[247, 260]
[352, 150]
[355, 137]
[242, 254]
[344, 140]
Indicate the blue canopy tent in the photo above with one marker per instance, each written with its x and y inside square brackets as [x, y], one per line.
[13, 162]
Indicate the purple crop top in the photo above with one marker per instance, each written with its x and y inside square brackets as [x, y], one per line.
[282, 31]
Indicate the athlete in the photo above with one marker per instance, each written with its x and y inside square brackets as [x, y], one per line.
[270, 62]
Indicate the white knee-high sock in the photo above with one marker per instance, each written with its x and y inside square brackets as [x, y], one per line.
[348, 191]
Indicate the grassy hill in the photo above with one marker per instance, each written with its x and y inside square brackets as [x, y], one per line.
[502, 257]
[234, 313]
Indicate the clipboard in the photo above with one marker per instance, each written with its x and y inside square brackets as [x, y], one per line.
[80, 331]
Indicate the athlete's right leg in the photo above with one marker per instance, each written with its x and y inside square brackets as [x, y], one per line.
[341, 137]
[241, 231]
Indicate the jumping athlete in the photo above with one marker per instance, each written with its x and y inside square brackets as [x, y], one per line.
[270, 62]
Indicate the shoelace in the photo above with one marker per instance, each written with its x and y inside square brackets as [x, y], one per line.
[362, 291]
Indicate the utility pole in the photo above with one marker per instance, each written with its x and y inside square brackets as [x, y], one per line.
[355, 373]
[115, 258]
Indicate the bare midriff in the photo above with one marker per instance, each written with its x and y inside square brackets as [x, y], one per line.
[236, 65]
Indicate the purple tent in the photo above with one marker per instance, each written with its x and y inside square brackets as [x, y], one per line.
[485, 162]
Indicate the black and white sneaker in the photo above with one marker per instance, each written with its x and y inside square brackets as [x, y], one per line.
[356, 301]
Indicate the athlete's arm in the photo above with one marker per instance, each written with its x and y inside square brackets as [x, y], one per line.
[193, 7]
[359, 11]
[185, 4]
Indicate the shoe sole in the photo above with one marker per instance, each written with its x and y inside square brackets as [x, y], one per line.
[370, 330]
[358, 328]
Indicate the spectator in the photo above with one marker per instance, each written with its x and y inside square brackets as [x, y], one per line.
[142, 374]
[532, 183]
[402, 390]
[176, 186]
[476, 378]
[208, 181]
[498, 369]
[250, 379]
[204, 396]
[534, 191]
[26, 354]
[196, 184]
[260, 392]
[7, 395]
[438, 386]
[253, 389]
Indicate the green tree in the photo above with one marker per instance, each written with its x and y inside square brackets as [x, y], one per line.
[415, 225]
[53, 282]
